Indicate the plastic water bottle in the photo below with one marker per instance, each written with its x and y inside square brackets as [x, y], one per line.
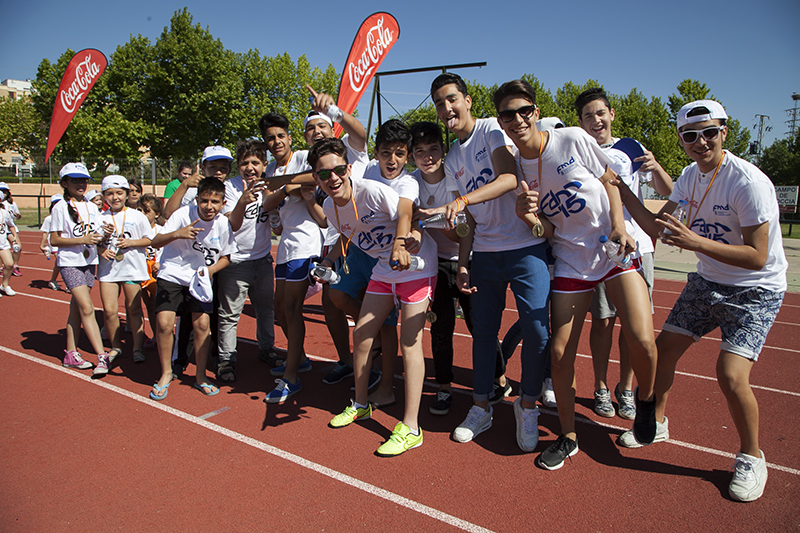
[612, 251]
[16, 247]
[439, 221]
[274, 219]
[417, 263]
[47, 253]
[679, 213]
[325, 274]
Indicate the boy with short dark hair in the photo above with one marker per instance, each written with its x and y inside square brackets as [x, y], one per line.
[596, 117]
[196, 237]
[733, 227]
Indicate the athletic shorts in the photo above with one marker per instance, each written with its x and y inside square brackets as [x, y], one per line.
[352, 283]
[295, 270]
[744, 315]
[174, 297]
[603, 307]
[77, 276]
[567, 285]
[408, 292]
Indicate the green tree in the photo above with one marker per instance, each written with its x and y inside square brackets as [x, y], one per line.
[21, 129]
[781, 161]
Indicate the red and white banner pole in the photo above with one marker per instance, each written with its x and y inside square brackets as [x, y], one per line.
[82, 72]
[374, 39]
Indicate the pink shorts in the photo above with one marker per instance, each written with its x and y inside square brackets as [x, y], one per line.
[408, 292]
[567, 285]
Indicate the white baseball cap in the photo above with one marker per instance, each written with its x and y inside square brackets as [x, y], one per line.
[313, 115]
[4, 186]
[56, 198]
[89, 196]
[216, 152]
[549, 123]
[115, 181]
[74, 170]
[200, 285]
[715, 112]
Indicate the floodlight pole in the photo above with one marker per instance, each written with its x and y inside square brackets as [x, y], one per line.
[376, 87]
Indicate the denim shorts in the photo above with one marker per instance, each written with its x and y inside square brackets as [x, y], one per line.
[744, 315]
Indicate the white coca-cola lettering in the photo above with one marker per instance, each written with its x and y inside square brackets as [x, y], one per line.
[85, 73]
[378, 41]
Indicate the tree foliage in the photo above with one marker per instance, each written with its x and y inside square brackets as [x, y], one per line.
[20, 127]
[781, 161]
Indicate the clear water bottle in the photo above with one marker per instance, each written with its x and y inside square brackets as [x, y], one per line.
[417, 263]
[16, 247]
[439, 221]
[274, 219]
[679, 213]
[48, 253]
[612, 251]
[325, 274]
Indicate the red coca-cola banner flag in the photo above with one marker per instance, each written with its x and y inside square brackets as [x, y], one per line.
[82, 72]
[374, 39]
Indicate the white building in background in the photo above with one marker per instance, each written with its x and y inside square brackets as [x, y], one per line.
[15, 89]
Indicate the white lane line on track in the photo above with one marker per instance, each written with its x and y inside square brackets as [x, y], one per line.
[277, 452]
[709, 378]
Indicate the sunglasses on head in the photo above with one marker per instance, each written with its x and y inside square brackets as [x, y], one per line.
[691, 136]
[524, 112]
[325, 173]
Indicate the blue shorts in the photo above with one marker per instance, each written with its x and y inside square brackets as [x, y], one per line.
[355, 281]
[744, 315]
[295, 270]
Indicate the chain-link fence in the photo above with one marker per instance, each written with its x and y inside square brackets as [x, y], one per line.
[146, 170]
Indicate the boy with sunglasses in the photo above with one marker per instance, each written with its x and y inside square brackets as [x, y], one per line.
[568, 168]
[596, 117]
[504, 252]
[733, 227]
[371, 215]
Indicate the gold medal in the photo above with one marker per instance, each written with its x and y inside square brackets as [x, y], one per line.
[537, 229]
[430, 316]
[119, 256]
[462, 230]
[345, 267]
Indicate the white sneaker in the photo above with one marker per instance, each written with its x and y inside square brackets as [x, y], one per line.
[8, 291]
[527, 426]
[548, 396]
[749, 477]
[477, 422]
[627, 440]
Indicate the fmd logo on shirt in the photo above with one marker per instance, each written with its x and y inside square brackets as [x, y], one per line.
[722, 210]
[482, 154]
[565, 168]
[366, 218]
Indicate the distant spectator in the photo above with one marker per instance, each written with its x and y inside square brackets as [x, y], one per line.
[184, 171]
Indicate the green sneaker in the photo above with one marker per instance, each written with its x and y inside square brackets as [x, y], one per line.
[401, 440]
[350, 414]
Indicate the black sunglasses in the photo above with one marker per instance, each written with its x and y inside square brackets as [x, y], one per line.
[325, 173]
[691, 136]
[524, 112]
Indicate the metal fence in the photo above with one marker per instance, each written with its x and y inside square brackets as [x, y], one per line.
[146, 171]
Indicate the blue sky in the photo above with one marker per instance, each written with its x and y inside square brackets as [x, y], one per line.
[746, 52]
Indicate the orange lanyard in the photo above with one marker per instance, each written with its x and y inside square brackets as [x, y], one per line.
[539, 161]
[689, 218]
[346, 246]
[114, 221]
[84, 225]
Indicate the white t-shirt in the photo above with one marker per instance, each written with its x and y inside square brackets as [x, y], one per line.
[470, 166]
[741, 196]
[253, 239]
[435, 195]
[6, 222]
[88, 222]
[13, 210]
[404, 184]
[45, 228]
[301, 237]
[373, 225]
[182, 257]
[623, 166]
[154, 253]
[133, 266]
[572, 197]
[188, 198]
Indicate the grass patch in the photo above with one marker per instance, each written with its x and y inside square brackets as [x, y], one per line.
[30, 218]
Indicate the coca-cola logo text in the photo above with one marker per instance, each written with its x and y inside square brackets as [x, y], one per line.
[85, 73]
[378, 40]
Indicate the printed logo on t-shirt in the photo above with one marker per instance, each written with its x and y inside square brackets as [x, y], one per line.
[715, 232]
[253, 211]
[565, 168]
[565, 201]
[366, 218]
[459, 173]
[374, 238]
[208, 253]
[722, 210]
[80, 229]
[482, 154]
[480, 180]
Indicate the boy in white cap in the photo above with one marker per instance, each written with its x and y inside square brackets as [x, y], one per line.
[733, 227]
[215, 163]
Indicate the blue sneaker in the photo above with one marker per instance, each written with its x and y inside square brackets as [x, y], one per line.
[278, 371]
[282, 391]
[374, 379]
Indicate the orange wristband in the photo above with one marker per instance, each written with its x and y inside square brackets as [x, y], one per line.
[465, 200]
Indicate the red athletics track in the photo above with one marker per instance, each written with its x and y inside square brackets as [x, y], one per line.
[84, 455]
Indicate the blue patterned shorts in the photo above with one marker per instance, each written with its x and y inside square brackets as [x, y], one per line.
[744, 315]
